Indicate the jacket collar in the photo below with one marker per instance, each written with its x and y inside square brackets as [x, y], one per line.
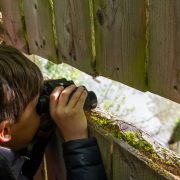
[13, 160]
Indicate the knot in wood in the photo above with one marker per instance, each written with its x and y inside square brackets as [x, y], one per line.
[100, 17]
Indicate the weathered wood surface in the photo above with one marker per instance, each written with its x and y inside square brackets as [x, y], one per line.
[106, 148]
[127, 162]
[39, 26]
[52, 166]
[122, 158]
[105, 37]
[81, 51]
[120, 40]
[164, 48]
[120, 46]
[63, 31]
[128, 166]
[55, 162]
[13, 24]
[73, 24]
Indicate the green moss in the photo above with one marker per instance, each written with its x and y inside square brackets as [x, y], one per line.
[135, 139]
[23, 31]
[169, 162]
[51, 4]
[100, 121]
[132, 138]
[92, 32]
[156, 167]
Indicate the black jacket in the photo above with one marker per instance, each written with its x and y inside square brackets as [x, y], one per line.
[82, 160]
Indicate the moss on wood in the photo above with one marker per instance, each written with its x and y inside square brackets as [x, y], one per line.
[156, 156]
[132, 138]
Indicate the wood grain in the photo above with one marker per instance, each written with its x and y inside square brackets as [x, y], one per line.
[13, 24]
[164, 54]
[120, 40]
[128, 162]
[105, 143]
[128, 166]
[64, 31]
[40, 33]
[81, 51]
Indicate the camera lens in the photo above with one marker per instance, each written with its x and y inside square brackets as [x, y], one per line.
[91, 101]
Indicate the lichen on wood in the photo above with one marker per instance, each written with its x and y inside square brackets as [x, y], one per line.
[159, 158]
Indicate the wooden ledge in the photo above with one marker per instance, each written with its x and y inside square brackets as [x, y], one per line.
[130, 153]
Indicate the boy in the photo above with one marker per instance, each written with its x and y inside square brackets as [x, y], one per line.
[20, 86]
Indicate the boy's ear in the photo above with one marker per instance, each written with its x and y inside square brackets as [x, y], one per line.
[5, 131]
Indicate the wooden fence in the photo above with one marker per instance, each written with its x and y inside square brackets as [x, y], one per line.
[130, 154]
[126, 160]
[135, 42]
[132, 41]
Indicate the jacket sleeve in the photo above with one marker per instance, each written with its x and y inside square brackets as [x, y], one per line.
[83, 160]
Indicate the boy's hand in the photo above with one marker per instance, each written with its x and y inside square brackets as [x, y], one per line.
[69, 114]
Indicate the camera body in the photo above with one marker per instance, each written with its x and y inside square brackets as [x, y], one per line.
[50, 85]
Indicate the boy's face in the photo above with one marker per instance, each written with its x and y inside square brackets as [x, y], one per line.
[23, 131]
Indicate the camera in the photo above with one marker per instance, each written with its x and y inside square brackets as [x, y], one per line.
[50, 85]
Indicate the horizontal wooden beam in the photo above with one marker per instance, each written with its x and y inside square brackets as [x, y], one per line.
[127, 152]
[130, 153]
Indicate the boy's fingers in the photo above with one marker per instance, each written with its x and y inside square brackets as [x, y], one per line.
[54, 98]
[81, 101]
[64, 97]
[75, 97]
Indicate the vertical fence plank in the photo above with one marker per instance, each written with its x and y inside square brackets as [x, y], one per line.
[13, 24]
[40, 33]
[64, 31]
[73, 25]
[177, 52]
[130, 159]
[128, 166]
[164, 54]
[106, 148]
[81, 47]
[54, 159]
[120, 40]
[119, 35]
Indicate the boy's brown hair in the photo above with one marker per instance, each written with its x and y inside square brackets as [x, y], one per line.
[20, 82]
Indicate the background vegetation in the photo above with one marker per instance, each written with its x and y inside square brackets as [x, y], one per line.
[152, 113]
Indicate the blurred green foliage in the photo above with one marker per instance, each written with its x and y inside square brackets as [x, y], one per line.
[54, 71]
[115, 104]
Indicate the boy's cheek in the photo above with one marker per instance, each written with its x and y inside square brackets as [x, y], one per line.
[21, 139]
[23, 132]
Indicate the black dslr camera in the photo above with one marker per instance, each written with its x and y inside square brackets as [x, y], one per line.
[50, 85]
